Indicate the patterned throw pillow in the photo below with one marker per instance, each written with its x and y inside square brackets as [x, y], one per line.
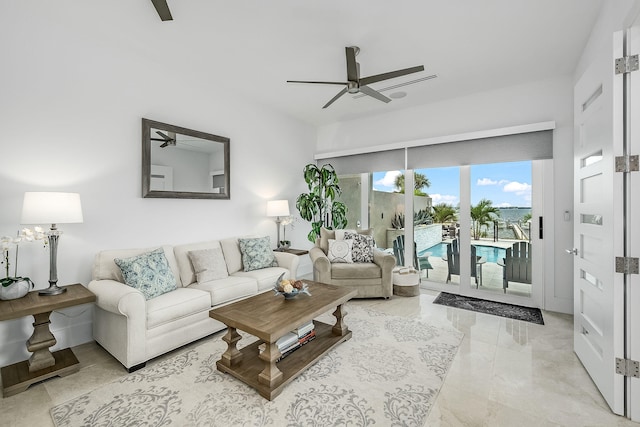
[362, 250]
[257, 253]
[149, 273]
[208, 264]
[340, 251]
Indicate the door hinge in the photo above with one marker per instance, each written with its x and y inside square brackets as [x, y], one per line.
[627, 164]
[628, 368]
[627, 64]
[626, 265]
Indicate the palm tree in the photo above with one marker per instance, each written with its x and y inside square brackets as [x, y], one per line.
[420, 182]
[481, 214]
[443, 212]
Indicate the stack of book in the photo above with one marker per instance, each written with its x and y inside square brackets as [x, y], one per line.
[293, 340]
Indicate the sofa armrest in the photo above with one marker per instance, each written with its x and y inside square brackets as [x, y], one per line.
[321, 265]
[386, 262]
[118, 298]
[288, 261]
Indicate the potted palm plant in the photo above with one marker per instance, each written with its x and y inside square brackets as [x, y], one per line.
[319, 205]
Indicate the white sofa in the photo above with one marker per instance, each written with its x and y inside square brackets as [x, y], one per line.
[135, 330]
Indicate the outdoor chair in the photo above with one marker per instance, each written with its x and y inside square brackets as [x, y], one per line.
[453, 262]
[420, 263]
[517, 264]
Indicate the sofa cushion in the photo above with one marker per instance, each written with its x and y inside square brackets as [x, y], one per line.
[232, 254]
[362, 250]
[149, 273]
[105, 268]
[266, 277]
[185, 267]
[364, 270]
[340, 251]
[229, 289]
[257, 253]
[182, 302]
[208, 264]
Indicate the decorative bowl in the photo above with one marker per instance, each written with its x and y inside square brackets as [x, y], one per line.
[292, 287]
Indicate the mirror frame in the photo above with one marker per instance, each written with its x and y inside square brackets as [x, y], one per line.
[147, 125]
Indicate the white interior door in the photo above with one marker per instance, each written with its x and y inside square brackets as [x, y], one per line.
[632, 215]
[598, 229]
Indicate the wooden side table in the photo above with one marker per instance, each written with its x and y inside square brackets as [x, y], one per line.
[42, 364]
[298, 252]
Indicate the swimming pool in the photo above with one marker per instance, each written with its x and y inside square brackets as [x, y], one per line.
[490, 253]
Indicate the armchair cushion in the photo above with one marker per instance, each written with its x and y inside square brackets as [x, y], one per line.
[340, 251]
[362, 250]
[149, 273]
[257, 253]
[361, 270]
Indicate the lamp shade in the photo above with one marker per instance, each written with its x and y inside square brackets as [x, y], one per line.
[51, 208]
[278, 208]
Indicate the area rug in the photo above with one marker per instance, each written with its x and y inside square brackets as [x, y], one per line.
[389, 373]
[528, 314]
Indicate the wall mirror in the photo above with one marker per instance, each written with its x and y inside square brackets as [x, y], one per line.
[180, 163]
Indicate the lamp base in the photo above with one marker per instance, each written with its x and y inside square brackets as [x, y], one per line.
[53, 289]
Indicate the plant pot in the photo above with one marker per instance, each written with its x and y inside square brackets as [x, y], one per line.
[15, 290]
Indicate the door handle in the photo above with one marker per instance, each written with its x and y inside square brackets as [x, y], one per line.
[573, 251]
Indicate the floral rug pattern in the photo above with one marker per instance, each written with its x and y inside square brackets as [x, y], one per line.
[389, 373]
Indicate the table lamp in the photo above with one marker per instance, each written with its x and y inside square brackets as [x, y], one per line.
[278, 208]
[52, 208]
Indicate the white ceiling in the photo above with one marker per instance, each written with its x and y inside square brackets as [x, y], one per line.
[253, 46]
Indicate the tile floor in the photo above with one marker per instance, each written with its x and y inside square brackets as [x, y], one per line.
[506, 373]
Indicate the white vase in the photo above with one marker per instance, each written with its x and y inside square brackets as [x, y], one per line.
[15, 290]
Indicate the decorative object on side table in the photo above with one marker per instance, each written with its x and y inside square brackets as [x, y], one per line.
[279, 209]
[290, 288]
[284, 245]
[53, 208]
[14, 287]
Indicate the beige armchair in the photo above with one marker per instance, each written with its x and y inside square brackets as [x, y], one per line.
[369, 279]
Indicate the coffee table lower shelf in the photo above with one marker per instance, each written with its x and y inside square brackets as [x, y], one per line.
[248, 369]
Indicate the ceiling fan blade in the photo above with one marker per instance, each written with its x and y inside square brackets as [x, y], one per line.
[163, 9]
[164, 145]
[342, 92]
[163, 136]
[390, 75]
[313, 82]
[374, 94]
[352, 67]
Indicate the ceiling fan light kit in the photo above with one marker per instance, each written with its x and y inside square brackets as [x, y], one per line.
[357, 85]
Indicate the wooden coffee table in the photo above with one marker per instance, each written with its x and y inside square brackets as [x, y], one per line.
[269, 317]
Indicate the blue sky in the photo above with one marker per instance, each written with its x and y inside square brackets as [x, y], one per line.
[506, 184]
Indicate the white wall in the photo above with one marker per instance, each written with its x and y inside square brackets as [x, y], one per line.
[518, 105]
[70, 118]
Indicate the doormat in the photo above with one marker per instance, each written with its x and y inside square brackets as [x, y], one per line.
[518, 312]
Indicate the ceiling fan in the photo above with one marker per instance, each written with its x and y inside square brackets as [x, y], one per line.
[356, 84]
[169, 139]
[163, 9]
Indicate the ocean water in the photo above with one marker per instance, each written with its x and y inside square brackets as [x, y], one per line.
[513, 214]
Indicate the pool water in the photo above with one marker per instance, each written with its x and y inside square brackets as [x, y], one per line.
[490, 253]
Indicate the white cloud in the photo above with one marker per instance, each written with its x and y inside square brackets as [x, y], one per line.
[443, 198]
[519, 188]
[486, 181]
[388, 180]
[504, 205]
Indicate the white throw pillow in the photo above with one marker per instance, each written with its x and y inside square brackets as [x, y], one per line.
[208, 264]
[340, 251]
